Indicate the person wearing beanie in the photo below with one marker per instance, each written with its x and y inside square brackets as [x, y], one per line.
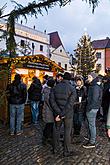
[93, 104]
[93, 75]
[67, 76]
[17, 94]
[62, 98]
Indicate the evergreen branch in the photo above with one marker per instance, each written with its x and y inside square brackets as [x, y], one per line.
[2, 9]
[44, 5]
[93, 3]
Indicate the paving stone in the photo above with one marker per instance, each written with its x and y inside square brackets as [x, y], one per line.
[27, 149]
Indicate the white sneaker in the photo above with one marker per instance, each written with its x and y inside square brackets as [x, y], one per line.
[18, 133]
[86, 138]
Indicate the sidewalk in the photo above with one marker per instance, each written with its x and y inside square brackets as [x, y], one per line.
[27, 149]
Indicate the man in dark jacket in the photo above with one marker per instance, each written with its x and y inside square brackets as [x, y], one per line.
[62, 99]
[105, 97]
[35, 96]
[93, 105]
[17, 94]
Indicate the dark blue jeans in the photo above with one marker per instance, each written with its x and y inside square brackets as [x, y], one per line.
[35, 111]
[77, 122]
[91, 117]
[16, 117]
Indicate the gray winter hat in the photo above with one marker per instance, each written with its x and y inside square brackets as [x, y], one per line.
[93, 74]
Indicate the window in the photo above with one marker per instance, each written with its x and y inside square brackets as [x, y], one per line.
[98, 67]
[98, 55]
[59, 63]
[41, 47]
[33, 46]
[22, 43]
[60, 50]
[65, 66]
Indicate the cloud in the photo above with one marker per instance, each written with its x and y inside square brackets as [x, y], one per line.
[71, 20]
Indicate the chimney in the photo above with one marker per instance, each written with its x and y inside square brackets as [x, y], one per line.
[107, 38]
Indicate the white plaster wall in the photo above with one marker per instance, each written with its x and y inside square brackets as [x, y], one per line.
[30, 36]
[45, 51]
[61, 57]
[102, 60]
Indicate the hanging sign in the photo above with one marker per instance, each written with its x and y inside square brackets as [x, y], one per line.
[39, 66]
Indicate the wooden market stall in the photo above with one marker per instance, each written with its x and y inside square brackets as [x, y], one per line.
[27, 67]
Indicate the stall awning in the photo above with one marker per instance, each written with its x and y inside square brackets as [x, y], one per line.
[35, 61]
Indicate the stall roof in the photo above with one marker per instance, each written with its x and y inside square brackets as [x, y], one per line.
[34, 59]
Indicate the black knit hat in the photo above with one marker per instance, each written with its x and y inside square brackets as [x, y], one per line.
[51, 83]
[67, 76]
[17, 77]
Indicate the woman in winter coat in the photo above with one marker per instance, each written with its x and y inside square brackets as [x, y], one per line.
[80, 105]
[48, 116]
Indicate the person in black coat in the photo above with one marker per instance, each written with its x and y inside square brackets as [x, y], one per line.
[80, 106]
[62, 99]
[105, 97]
[35, 96]
[16, 94]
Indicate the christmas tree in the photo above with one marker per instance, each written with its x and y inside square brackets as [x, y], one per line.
[85, 56]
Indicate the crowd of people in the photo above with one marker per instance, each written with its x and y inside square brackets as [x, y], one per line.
[67, 102]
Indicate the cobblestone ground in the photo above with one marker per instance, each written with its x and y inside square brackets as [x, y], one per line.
[27, 149]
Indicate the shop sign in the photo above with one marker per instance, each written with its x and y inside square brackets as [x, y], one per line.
[36, 66]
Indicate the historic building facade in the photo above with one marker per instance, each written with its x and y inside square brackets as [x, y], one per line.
[102, 48]
[32, 42]
[58, 52]
[29, 41]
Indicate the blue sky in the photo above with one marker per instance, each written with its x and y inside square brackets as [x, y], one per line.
[71, 21]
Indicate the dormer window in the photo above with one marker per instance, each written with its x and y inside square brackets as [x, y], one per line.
[59, 63]
[65, 66]
[41, 48]
[22, 43]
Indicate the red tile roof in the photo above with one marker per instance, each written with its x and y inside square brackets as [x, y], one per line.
[101, 44]
[55, 40]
